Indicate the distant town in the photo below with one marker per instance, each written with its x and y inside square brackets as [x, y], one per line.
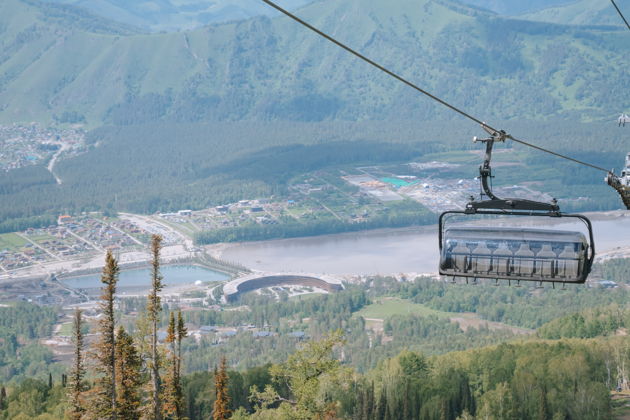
[25, 145]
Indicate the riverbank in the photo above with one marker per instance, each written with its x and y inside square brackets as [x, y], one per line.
[404, 251]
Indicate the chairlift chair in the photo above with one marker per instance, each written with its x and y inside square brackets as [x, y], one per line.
[513, 253]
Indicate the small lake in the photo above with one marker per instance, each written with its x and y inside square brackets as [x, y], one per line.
[392, 251]
[139, 279]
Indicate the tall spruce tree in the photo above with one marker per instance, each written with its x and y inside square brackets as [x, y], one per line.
[128, 376]
[182, 333]
[174, 395]
[222, 402]
[105, 351]
[170, 381]
[153, 311]
[3, 398]
[76, 408]
[381, 407]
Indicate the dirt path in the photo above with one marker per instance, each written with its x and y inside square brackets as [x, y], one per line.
[53, 161]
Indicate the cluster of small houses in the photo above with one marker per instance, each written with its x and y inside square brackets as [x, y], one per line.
[223, 334]
[64, 244]
[24, 145]
[26, 256]
[100, 234]
[71, 237]
[219, 216]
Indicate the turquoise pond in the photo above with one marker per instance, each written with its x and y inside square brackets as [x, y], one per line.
[138, 279]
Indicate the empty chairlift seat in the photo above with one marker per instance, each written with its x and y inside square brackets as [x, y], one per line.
[524, 260]
[481, 258]
[460, 255]
[514, 254]
[568, 263]
[502, 260]
[546, 261]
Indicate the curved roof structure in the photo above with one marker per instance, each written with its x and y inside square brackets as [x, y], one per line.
[258, 281]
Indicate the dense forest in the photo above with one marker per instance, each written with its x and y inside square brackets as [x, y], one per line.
[137, 168]
[526, 380]
[21, 326]
[423, 362]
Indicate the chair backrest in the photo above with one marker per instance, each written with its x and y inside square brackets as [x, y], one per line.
[524, 251]
[545, 261]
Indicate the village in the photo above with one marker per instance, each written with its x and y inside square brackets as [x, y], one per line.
[26, 145]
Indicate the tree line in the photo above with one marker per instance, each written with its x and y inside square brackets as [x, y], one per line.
[131, 377]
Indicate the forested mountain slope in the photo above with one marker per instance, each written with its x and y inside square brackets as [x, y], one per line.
[273, 69]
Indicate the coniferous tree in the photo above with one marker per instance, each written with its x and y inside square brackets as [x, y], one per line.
[543, 408]
[222, 401]
[105, 352]
[128, 376]
[76, 388]
[368, 402]
[358, 405]
[3, 398]
[153, 312]
[50, 381]
[182, 333]
[381, 407]
[170, 381]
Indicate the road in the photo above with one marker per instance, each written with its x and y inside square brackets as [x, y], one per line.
[53, 161]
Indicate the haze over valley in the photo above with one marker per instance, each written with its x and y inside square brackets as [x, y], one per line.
[226, 202]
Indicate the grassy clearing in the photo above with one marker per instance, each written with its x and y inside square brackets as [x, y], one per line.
[41, 238]
[11, 242]
[387, 307]
[66, 329]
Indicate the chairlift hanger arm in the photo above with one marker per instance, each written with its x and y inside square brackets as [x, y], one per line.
[485, 174]
[614, 181]
[485, 171]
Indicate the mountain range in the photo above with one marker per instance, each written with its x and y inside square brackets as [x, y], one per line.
[174, 15]
[62, 63]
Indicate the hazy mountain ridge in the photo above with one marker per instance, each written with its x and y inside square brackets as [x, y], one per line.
[582, 12]
[174, 15]
[272, 68]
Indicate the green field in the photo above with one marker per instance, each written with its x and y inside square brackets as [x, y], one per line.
[43, 237]
[387, 307]
[11, 242]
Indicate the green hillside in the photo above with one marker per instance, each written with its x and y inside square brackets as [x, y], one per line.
[273, 69]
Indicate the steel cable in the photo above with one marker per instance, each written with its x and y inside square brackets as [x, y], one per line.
[620, 14]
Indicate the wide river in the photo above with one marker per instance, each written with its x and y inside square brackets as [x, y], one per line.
[392, 251]
[140, 279]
